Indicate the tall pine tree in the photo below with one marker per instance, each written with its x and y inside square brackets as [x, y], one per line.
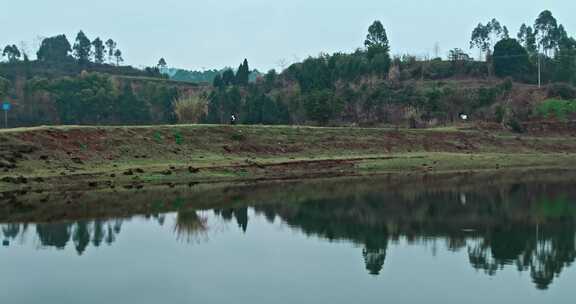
[243, 73]
[99, 50]
[82, 48]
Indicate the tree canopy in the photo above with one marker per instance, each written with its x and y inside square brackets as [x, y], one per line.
[377, 40]
[12, 52]
[510, 58]
[546, 28]
[527, 37]
[364, 86]
[55, 49]
[111, 45]
[118, 57]
[243, 73]
[99, 50]
[483, 36]
[162, 63]
[82, 48]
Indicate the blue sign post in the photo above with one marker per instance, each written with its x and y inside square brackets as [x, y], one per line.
[6, 107]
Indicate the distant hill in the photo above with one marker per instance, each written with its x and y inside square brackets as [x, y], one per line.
[29, 69]
[206, 76]
[51, 93]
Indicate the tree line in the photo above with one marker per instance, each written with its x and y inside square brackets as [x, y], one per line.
[254, 103]
[368, 86]
[545, 44]
[58, 49]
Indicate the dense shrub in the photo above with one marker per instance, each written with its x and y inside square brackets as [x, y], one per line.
[510, 59]
[322, 106]
[94, 98]
[515, 125]
[559, 109]
[87, 99]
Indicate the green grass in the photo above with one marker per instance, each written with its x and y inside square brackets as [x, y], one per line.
[446, 162]
[242, 153]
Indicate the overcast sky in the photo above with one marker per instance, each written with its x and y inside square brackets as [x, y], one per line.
[207, 34]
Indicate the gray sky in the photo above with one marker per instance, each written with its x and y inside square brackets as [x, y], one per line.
[196, 34]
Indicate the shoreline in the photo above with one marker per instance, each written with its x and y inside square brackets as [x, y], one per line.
[59, 206]
[88, 158]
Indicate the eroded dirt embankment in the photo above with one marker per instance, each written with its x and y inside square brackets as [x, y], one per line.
[43, 160]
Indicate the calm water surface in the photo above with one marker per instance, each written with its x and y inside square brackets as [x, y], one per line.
[331, 242]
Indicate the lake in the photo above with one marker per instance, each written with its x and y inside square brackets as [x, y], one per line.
[450, 239]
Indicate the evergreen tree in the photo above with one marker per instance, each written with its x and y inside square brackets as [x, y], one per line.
[380, 64]
[484, 35]
[322, 106]
[12, 52]
[162, 63]
[217, 82]
[565, 60]
[82, 48]
[111, 45]
[376, 41]
[523, 33]
[527, 37]
[132, 109]
[243, 74]
[505, 33]
[270, 114]
[233, 102]
[496, 29]
[253, 109]
[99, 50]
[480, 38]
[228, 77]
[510, 59]
[214, 104]
[378, 49]
[55, 49]
[270, 79]
[118, 56]
[546, 28]
[561, 34]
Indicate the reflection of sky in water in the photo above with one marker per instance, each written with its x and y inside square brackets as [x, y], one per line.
[513, 243]
[207, 257]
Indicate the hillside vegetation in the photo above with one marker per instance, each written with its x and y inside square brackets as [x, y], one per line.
[84, 83]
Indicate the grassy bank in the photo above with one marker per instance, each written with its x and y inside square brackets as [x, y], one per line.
[52, 159]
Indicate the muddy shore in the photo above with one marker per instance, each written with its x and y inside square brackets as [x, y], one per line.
[50, 162]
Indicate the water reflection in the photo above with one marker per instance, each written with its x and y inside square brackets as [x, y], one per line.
[544, 253]
[190, 227]
[239, 214]
[527, 226]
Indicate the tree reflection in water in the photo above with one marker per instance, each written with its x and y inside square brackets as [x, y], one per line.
[527, 226]
[545, 253]
[530, 227]
[239, 214]
[374, 259]
[59, 235]
[190, 227]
